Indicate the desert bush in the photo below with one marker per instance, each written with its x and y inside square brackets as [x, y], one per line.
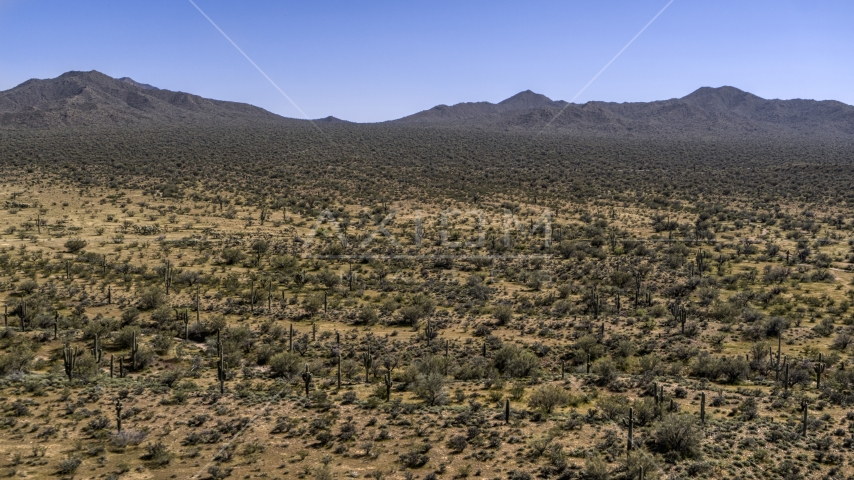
[162, 343]
[127, 438]
[547, 397]
[732, 369]
[677, 434]
[515, 361]
[285, 364]
[502, 314]
[457, 443]
[416, 456]
[595, 468]
[431, 388]
[158, 454]
[368, 315]
[74, 245]
[151, 298]
[231, 256]
[606, 370]
[17, 359]
[28, 286]
[69, 465]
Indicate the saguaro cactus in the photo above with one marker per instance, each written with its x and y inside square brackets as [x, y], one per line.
[819, 369]
[134, 347]
[630, 442]
[167, 276]
[703, 408]
[338, 355]
[186, 318]
[775, 364]
[252, 295]
[97, 352]
[119, 415]
[786, 379]
[388, 385]
[429, 332]
[306, 378]
[805, 408]
[22, 314]
[221, 372]
[367, 360]
[69, 360]
[507, 411]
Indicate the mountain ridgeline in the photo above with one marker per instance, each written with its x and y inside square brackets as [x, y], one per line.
[705, 113]
[92, 99]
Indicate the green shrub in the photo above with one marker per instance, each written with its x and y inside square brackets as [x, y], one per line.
[74, 245]
[547, 397]
[285, 364]
[68, 465]
[678, 434]
[151, 298]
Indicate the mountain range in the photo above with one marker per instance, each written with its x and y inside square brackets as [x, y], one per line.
[87, 99]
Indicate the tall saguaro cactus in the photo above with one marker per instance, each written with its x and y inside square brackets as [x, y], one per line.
[221, 371]
[368, 361]
[429, 332]
[134, 348]
[97, 352]
[388, 384]
[306, 378]
[167, 276]
[69, 360]
[630, 442]
[119, 415]
[819, 369]
[507, 411]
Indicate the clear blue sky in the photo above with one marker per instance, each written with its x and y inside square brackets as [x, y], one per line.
[373, 61]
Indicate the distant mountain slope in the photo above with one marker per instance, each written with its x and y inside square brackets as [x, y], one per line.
[87, 99]
[94, 99]
[707, 112]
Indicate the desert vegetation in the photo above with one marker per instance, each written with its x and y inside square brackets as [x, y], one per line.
[401, 302]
